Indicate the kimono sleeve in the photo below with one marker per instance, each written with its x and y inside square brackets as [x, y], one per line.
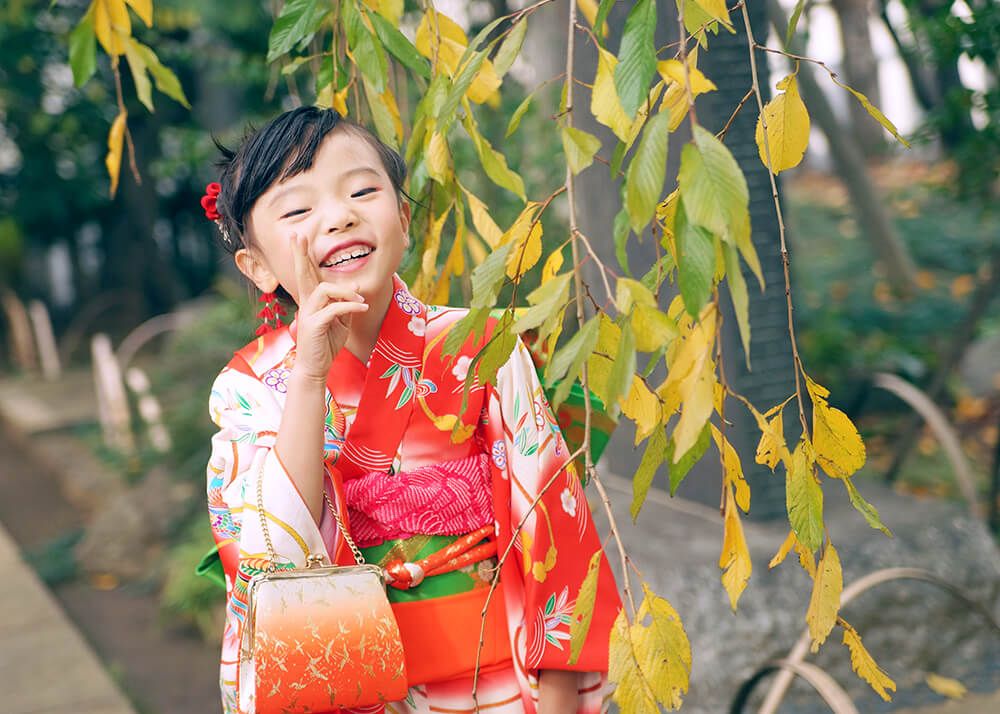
[248, 414]
[559, 538]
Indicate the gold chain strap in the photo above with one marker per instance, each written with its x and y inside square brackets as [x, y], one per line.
[358, 557]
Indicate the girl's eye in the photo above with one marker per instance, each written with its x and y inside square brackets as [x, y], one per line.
[364, 192]
[296, 212]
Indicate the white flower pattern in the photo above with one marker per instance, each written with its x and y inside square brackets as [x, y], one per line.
[568, 502]
[417, 325]
[461, 368]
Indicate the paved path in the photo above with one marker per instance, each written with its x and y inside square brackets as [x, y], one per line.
[45, 665]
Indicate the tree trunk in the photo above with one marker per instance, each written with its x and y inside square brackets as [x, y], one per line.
[860, 70]
[869, 207]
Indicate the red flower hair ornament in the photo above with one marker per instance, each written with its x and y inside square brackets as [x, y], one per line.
[209, 202]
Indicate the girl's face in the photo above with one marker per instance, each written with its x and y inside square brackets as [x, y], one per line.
[346, 208]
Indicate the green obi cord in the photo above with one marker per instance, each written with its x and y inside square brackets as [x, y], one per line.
[420, 546]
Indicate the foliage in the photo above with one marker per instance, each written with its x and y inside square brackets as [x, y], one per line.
[364, 66]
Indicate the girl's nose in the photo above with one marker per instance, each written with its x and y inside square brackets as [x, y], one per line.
[340, 218]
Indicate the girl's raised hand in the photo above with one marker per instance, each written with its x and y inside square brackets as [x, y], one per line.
[324, 317]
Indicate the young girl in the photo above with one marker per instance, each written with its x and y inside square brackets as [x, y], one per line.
[354, 402]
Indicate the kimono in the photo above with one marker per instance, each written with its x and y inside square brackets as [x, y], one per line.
[406, 411]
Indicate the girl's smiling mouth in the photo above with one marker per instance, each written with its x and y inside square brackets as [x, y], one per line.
[347, 257]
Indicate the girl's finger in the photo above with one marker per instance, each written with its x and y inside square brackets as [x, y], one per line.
[325, 316]
[304, 278]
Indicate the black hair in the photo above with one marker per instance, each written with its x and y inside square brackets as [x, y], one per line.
[284, 147]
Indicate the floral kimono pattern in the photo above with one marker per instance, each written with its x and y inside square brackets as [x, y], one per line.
[404, 410]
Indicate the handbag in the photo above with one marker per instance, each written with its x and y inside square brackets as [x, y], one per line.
[319, 638]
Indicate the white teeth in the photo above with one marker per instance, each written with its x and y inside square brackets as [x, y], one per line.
[350, 254]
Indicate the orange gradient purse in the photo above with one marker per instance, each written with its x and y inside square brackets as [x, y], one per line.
[319, 638]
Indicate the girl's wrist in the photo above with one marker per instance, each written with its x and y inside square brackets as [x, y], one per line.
[307, 378]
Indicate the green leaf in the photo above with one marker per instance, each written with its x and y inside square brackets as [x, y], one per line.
[580, 148]
[864, 508]
[804, 499]
[298, 19]
[617, 157]
[655, 276]
[712, 187]
[741, 298]
[497, 350]
[654, 455]
[515, 118]
[385, 127]
[473, 323]
[83, 51]
[637, 57]
[566, 364]
[695, 262]
[510, 48]
[494, 163]
[143, 87]
[623, 366]
[620, 233]
[545, 301]
[602, 16]
[583, 610]
[488, 276]
[793, 21]
[646, 173]
[459, 87]
[166, 81]
[400, 47]
[368, 53]
[679, 470]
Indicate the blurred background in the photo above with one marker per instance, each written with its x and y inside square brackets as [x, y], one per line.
[895, 268]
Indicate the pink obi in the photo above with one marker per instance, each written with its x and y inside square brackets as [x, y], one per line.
[449, 498]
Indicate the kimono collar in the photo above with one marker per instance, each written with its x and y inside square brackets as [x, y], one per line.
[392, 383]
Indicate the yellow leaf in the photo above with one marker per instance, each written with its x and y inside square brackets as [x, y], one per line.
[551, 266]
[423, 287]
[649, 663]
[641, 406]
[604, 102]
[630, 292]
[875, 112]
[481, 219]
[946, 686]
[652, 328]
[697, 392]
[685, 354]
[784, 550]
[825, 600]
[112, 25]
[389, 102]
[526, 235]
[838, 445]
[735, 557]
[589, 10]
[477, 251]
[804, 497]
[864, 665]
[787, 128]
[600, 363]
[675, 99]
[116, 140]
[439, 37]
[438, 158]
[144, 9]
[716, 9]
[806, 559]
[329, 98]
[583, 609]
[454, 265]
[733, 469]
[771, 448]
